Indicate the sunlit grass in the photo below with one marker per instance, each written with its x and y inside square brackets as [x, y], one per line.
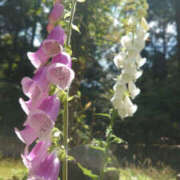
[150, 173]
[10, 167]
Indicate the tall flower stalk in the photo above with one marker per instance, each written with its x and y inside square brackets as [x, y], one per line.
[53, 68]
[129, 60]
[65, 142]
[66, 108]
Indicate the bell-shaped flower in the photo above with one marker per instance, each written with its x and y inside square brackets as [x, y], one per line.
[119, 59]
[127, 42]
[49, 104]
[58, 35]
[120, 90]
[48, 169]
[38, 58]
[133, 90]
[130, 74]
[60, 75]
[42, 118]
[38, 154]
[129, 107]
[27, 105]
[36, 86]
[51, 47]
[56, 13]
[140, 62]
[124, 106]
[41, 123]
[27, 135]
[63, 58]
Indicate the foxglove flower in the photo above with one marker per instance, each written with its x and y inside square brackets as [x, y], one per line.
[52, 45]
[41, 164]
[41, 123]
[60, 75]
[47, 169]
[38, 58]
[38, 153]
[49, 48]
[57, 35]
[42, 118]
[56, 13]
[37, 85]
[63, 58]
[27, 135]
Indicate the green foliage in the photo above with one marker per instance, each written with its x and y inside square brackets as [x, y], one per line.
[88, 172]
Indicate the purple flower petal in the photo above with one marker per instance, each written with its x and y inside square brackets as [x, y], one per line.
[25, 105]
[56, 12]
[63, 58]
[38, 58]
[34, 88]
[48, 169]
[60, 75]
[27, 135]
[58, 35]
[38, 153]
[51, 106]
[51, 47]
[41, 123]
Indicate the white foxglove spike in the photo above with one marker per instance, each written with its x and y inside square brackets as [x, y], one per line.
[129, 61]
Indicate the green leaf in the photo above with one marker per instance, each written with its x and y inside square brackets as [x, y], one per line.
[70, 158]
[70, 98]
[97, 148]
[74, 27]
[87, 172]
[111, 169]
[103, 114]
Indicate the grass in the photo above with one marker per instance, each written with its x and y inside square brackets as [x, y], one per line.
[11, 167]
[149, 173]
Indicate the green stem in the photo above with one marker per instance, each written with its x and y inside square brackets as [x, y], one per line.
[104, 163]
[66, 111]
[73, 10]
[107, 148]
[65, 132]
